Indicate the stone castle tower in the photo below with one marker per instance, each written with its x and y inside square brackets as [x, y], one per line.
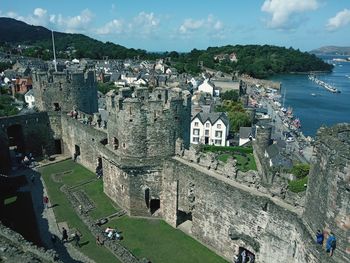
[143, 128]
[65, 91]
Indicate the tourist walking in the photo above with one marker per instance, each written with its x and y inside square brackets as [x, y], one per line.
[64, 235]
[76, 239]
[319, 237]
[46, 201]
[331, 244]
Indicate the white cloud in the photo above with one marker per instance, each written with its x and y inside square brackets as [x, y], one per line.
[144, 25]
[191, 25]
[114, 26]
[39, 12]
[78, 23]
[282, 11]
[209, 25]
[40, 17]
[341, 19]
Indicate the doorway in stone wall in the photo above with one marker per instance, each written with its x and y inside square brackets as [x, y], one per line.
[16, 146]
[58, 146]
[99, 168]
[15, 138]
[184, 221]
[245, 256]
[154, 206]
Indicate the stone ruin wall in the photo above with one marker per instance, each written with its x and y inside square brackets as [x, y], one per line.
[328, 193]
[14, 248]
[36, 133]
[69, 89]
[88, 139]
[218, 209]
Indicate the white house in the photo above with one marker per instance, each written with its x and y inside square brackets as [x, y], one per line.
[29, 98]
[140, 82]
[210, 128]
[207, 87]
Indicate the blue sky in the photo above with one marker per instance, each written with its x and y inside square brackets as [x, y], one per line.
[158, 25]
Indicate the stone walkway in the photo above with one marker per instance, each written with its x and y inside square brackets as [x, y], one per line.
[46, 220]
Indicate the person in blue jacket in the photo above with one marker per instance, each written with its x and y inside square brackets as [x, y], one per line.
[331, 244]
[319, 237]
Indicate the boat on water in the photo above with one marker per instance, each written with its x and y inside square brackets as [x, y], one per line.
[323, 84]
[313, 94]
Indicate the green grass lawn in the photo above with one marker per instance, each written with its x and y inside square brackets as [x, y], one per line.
[64, 212]
[159, 242]
[104, 206]
[297, 186]
[150, 238]
[245, 161]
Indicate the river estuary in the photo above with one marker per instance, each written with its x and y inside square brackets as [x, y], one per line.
[314, 105]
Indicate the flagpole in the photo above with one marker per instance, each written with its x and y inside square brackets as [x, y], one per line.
[54, 51]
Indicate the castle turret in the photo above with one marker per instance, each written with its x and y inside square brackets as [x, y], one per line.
[263, 137]
[65, 91]
[146, 125]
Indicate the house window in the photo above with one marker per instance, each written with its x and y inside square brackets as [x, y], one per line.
[218, 134]
[196, 124]
[217, 142]
[195, 139]
[195, 131]
[218, 126]
[207, 125]
[206, 132]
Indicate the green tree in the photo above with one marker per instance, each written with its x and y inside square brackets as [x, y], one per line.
[105, 87]
[300, 170]
[230, 95]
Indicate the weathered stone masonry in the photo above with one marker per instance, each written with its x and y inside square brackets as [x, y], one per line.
[142, 175]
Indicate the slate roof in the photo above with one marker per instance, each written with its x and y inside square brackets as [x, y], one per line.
[213, 117]
[245, 132]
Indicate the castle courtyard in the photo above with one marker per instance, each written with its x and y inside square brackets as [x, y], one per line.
[148, 238]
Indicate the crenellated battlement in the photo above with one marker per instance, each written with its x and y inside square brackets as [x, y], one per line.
[145, 124]
[66, 77]
[160, 99]
[65, 90]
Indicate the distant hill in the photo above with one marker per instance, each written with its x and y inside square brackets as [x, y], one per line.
[331, 50]
[255, 60]
[14, 32]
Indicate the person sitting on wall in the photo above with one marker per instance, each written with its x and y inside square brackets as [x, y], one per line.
[319, 237]
[331, 244]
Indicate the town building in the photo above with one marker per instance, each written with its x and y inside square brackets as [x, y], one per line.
[210, 128]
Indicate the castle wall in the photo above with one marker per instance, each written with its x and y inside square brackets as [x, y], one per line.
[35, 130]
[69, 90]
[74, 133]
[225, 217]
[328, 193]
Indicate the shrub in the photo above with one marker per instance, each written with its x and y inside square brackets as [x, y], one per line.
[300, 170]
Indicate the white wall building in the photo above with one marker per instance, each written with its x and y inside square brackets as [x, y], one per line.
[29, 98]
[207, 87]
[210, 128]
